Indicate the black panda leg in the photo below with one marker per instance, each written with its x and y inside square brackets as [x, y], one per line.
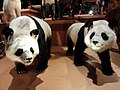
[49, 46]
[20, 68]
[106, 63]
[42, 63]
[78, 55]
[79, 48]
[70, 45]
[43, 56]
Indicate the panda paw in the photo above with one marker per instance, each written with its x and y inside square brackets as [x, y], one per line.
[68, 53]
[78, 64]
[40, 69]
[21, 70]
[107, 72]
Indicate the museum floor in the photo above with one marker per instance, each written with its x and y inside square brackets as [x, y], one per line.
[62, 74]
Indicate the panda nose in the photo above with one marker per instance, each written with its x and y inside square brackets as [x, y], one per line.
[95, 42]
[28, 59]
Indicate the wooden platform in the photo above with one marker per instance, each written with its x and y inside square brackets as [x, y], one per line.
[83, 17]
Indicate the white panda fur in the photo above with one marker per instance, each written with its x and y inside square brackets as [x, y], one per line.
[22, 38]
[11, 9]
[79, 36]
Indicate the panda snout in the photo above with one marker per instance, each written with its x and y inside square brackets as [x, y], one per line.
[28, 59]
[95, 42]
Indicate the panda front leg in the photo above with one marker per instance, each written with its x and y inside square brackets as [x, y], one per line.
[78, 55]
[79, 49]
[106, 63]
[70, 45]
[42, 59]
[42, 64]
[20, 68]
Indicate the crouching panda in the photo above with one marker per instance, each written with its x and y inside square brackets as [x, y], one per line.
[95, 35]
[28, 40]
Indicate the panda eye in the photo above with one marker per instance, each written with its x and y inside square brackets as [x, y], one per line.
[19, 52]
[31, 49]
[104, 36]
[92, 35]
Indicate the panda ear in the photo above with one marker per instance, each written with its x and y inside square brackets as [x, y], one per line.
[88, 23]
[7, 32]
[34, 33]
[112, 23]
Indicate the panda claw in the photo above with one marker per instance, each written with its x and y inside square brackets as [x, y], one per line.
[21, 72]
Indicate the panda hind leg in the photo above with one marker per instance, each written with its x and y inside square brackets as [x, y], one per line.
[106, 63]
[20, 68]
[49, 46]
[70, 45]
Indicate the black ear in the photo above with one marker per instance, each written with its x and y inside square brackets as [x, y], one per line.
[7, 32]
[34, 33]
[88, 23]
[112, 23]
[19, 52]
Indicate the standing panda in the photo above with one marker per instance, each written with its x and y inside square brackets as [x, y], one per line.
[28, 40]
[97, 36]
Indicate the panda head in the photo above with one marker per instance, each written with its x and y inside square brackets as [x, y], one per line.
[23, 48]
[100, 38]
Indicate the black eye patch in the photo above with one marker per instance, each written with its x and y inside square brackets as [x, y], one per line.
[104, 36]
[19, 52]
[92, 35]
[31, 49]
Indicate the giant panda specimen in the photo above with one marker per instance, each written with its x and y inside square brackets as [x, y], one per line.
[28, 40]
[96, 35]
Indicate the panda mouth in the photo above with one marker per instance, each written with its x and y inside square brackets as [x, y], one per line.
[97, 47]
[27, 61]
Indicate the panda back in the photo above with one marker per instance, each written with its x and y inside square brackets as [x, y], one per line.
[73, 30]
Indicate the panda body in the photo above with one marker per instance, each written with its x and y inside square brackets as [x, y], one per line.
[99, 38]
[28, 39]
[73, 31]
